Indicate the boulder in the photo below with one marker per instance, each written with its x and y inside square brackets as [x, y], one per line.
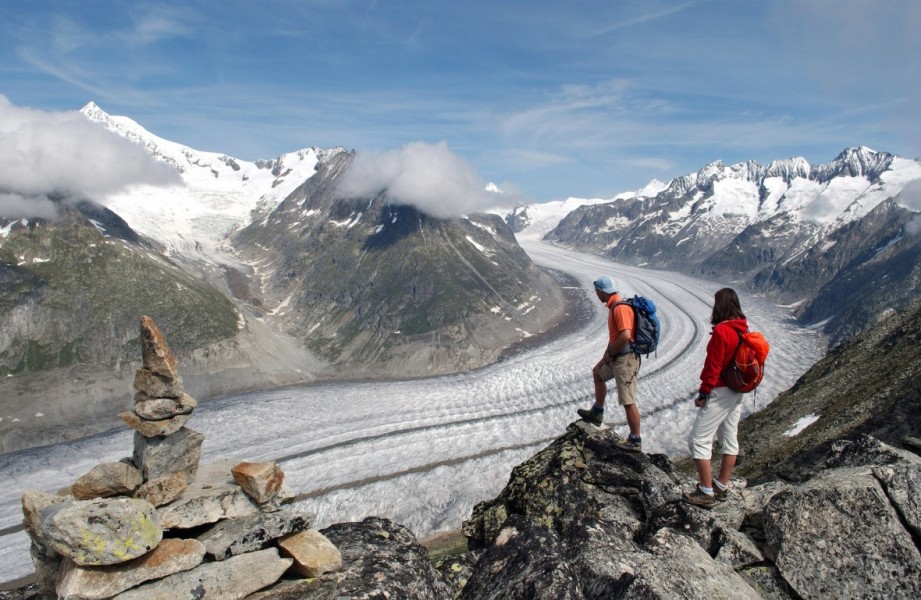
[381, 559]
[97, 583]
[526, 562]
[312, 552]
[107, 479]
[104, 531]
[838, 536]
[231, 579]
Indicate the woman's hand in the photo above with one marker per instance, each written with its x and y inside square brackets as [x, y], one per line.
[702, 399]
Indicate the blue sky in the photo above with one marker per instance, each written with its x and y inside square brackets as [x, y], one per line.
[557, 99]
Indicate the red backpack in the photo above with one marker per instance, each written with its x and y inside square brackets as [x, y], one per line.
[746, 369]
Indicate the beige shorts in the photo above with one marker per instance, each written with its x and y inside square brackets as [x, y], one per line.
[623, 370]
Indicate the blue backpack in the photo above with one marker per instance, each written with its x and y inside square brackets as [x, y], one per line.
[646, 327]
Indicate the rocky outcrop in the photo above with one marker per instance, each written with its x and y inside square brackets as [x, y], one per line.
[582, 519]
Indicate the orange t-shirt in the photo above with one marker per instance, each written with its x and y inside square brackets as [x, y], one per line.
[619, 319]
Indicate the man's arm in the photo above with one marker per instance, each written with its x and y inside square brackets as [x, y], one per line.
[617, 346]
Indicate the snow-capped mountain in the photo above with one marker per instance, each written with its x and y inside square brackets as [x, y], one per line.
[220, 195]
[788, 228]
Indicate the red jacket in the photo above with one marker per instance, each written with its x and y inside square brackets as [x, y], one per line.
[722, 345]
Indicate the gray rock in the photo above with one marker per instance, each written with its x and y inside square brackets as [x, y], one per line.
[321, 588]
[677, 567]
[103, 531]
[231, 579]
[160, 456]
[903, 487]
[107, 479]
[837, 536]
[154, 385]
[381, 559]
[737, 549]
[526, 562]
[97, 583]
[580, 474]
[211, 497]
[247, 534]
[33, 503]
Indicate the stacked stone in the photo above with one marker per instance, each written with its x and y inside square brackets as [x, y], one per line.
[158, 524]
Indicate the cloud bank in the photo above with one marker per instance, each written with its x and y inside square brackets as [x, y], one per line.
[429, 177]
[63, 152]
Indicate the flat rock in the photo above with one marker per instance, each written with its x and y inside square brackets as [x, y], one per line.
[97, 583]
[231, 579]
[239, 535]
[213, 496]
[153, 408]
[162, 427]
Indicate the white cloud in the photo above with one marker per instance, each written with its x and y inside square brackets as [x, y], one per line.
[45, 152]
[428, 177]
[910, 196]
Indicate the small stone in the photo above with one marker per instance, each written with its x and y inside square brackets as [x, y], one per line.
[155, 409]
[156, 354]
[33, 503]
[163, 490]
[261, 481]
[107, 479]
[155, 385]
[312, 552]
[151, 429]
[247, 534]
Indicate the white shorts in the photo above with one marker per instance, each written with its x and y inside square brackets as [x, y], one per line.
[719, 417]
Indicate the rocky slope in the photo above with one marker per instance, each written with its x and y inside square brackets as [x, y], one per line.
[385, 289]
[827, 237]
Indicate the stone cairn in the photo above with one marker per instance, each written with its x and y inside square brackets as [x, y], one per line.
[158, 525]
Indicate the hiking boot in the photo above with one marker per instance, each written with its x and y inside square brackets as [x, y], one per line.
[698, 498]
[591, 416]
[720, 495]
[630, 445]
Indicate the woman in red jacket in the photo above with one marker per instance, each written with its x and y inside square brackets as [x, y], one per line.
[720, 407]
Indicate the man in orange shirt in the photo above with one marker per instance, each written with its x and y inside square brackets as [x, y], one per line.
[619, 363]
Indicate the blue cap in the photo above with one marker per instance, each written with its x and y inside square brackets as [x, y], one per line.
[605, 284]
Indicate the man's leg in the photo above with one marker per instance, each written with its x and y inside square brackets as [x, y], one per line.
[633, 419]
[601, 389]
